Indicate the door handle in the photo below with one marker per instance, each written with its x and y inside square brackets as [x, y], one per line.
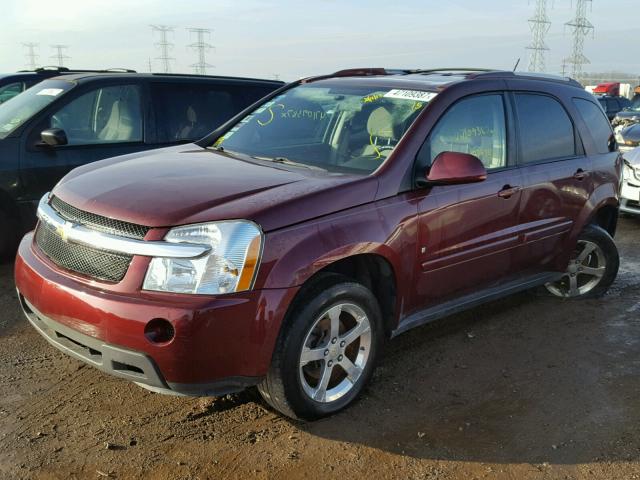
[508, 191]
[580, 174]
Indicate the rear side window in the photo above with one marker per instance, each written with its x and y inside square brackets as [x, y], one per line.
[546, 131]
[597, 123]
[612, 105]
[187, 112]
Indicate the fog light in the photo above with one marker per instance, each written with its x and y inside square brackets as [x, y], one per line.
[159, 330]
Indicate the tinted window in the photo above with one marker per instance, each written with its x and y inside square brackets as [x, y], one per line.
[474, 125]
[191, 111]
[105, 115]
[10, 91]
[597, 123]
[612, 105]
[546, 131]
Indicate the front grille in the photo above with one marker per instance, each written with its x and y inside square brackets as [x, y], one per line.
[87, 261]
[98, 222]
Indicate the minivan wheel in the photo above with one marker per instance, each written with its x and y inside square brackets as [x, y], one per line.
[327, 353]
[592, 269]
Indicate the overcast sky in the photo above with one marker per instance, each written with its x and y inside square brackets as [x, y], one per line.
[294, 38]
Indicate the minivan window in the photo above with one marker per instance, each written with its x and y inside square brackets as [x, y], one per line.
[474, 125]
[339, 129]
[21, 108]
[546, 131]
[597, 123]
[105, 115]
[190, 111]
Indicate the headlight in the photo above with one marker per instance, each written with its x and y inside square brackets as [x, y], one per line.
[631, 172]
[619, 138]
[230, 266]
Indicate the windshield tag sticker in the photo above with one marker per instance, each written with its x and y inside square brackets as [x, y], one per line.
[415, 95]
[51, 92]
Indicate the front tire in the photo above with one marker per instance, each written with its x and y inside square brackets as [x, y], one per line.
[592, 269]
[327, 351]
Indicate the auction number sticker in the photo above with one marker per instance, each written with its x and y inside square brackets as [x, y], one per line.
[415, 95]
[51, 92]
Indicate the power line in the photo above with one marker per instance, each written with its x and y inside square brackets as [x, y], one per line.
[31, 55]
[581, 28]
[201, 46]
[540, 25]
[60, 55]
[164, 45]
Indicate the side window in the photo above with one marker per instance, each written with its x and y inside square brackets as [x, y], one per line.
[612, 105]
[105, 115]
[191, 111]
[546, 131]
[474, 125]
[11, 90]
[597, 123]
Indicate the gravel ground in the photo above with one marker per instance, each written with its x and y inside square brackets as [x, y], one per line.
[527, 387]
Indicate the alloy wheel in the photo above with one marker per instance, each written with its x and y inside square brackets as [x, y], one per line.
[585, 270]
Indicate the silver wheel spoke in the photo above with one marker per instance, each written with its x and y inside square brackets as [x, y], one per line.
[334, 316]
[588, 249]
[352, 370]
[355, 333]
[320, 392]
[573, 286]
[311, 355]
[595, 272]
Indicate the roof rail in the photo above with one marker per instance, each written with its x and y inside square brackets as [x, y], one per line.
[530, 75]
[450, 71]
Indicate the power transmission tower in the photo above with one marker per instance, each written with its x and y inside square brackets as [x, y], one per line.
[164, 45]
[201, 46]
[581, 28]
[540, 25]
[60, 55]
[31, 55]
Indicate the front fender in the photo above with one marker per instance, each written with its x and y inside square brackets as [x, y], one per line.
[387, 228]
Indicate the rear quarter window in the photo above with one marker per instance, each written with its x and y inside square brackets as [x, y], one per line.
[597, 123]
[546, 131]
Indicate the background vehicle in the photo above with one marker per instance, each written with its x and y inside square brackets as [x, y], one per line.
[341, 210]
[613, 105]
[629, 115]
[630, 193]
[12, 84]
[76, 119]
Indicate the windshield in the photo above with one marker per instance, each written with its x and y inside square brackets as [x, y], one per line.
[338, 129]
[635, 104]
[22, 107]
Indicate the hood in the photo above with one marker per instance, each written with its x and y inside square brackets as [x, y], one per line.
[190, 184]
[628, 115]
[631, 133]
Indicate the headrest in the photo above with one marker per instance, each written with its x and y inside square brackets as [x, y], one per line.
[380, 123]
[191, 115]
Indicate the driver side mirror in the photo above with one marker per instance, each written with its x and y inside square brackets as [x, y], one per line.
[54, 137]
[452, 168]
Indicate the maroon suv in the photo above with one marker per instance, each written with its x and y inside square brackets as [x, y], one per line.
[284, 248]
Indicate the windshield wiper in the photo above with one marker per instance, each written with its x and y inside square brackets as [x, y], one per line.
[286, 161]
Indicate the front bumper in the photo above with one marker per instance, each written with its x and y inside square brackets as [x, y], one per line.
[221, 344]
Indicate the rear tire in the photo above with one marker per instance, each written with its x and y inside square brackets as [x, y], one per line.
[327, 350]
[592, 269]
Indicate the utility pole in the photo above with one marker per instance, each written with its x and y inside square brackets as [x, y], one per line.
[31, 55]
[164, 45]
[150, 66]
[201, 46]
[60, 55]
[581, 28]
[540, 25]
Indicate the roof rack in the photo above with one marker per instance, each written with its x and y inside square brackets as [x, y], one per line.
[450, 71]
[53, 68]
[530, 75]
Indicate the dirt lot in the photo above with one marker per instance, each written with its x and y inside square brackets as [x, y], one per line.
[529, 387]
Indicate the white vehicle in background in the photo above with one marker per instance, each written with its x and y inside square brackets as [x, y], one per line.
[630, 194]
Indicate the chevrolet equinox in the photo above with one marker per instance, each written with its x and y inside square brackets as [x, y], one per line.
[282, 250]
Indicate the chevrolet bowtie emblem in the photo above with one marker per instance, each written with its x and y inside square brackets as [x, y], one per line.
[63, 230]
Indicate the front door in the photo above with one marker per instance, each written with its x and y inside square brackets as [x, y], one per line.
[468, 233]
[100, 123]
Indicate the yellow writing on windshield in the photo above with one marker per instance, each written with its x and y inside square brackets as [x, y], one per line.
[372, 98]
[271, 115]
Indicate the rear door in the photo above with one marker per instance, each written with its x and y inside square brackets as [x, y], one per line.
[468, 233]
[556, 177]
[100, 121]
